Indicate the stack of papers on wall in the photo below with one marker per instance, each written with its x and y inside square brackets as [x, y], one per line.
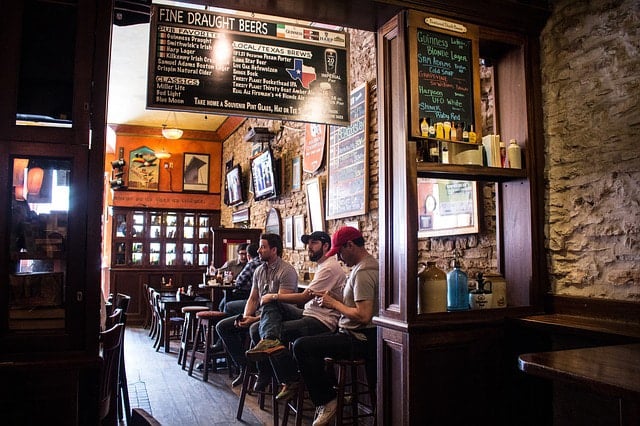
[491, 145]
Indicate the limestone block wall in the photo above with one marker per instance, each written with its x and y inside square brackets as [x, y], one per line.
[591, 93]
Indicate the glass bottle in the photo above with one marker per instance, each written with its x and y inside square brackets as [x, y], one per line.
[424, 128]
[457, 288]
[433, 154]
[433, 289]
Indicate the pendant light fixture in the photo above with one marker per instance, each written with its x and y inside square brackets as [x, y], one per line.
[171, 131]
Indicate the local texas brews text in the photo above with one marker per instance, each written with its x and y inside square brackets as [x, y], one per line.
[210, 62]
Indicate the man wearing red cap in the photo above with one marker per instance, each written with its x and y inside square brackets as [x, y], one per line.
[356, 336]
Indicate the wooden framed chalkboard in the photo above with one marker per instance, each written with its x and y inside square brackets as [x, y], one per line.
[348, 172]
[444, 72]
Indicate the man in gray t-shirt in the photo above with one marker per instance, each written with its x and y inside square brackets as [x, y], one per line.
[274, 277]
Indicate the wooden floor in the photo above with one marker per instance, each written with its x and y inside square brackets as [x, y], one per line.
[159, 385]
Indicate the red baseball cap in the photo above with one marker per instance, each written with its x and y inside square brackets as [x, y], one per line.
[342, 236]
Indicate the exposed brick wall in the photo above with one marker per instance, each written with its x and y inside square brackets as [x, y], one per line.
[291, 143]
[591, 89]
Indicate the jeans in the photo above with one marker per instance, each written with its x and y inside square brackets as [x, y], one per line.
[310, 352]
[272, 317]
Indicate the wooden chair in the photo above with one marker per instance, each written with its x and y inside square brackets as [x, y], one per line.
[140, 417]
[121, 302]
[147, 307]
[111, 341]
[151, 300]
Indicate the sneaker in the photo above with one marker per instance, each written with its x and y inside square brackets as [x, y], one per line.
[289, 390]
[264, 348]
[324, 413]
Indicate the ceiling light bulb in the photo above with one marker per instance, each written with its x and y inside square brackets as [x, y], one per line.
[163, 155]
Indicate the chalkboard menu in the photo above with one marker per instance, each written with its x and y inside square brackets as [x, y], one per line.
[203, 61]
[348, 161]
[444, 73]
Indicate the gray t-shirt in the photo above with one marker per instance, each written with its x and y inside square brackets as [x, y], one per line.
[271, 278]
[362, 284]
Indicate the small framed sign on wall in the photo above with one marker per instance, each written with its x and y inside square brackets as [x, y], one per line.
[195, 175]
[315, 204]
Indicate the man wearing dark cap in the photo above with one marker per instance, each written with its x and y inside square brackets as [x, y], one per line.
[356, 336]
[282, 321]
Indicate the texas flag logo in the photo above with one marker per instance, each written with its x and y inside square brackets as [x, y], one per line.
[302, 72]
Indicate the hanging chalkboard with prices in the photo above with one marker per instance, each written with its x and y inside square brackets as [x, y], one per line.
[204, 61]
[444, 72]
[347, 183]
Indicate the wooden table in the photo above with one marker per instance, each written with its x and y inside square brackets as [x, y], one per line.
[216, 291]
[171, 303]
[608, 370]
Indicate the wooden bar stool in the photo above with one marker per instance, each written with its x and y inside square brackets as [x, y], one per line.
[187, 336]
[249, 375]
[297, 405]
[350, 387]
[207, 321]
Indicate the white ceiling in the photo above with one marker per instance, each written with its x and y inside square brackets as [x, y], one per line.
[128, 85]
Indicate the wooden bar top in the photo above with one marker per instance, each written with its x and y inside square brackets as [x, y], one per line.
[609, 370]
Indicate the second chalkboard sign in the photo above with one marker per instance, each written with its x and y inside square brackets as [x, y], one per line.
[444, 72]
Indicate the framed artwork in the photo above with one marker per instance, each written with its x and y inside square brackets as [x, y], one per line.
[288, 232]
[272, 224]
[240, 216]
[447, 207]
[195, 173]
[315, 204]
[296, 173]
[234, 186]
[298, 231]
[144, 169]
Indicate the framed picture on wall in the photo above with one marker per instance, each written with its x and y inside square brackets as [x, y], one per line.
[288, 232]
[315, 204]
[296, 173]
[447, 207]
[298, 231]
[144, 169]
[195, 171]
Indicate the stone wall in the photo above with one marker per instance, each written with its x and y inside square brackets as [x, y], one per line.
[290, 143]
[591, 93]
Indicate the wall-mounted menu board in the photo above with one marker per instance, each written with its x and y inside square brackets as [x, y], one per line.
[347, 184]
[208, 62]
[444, 71]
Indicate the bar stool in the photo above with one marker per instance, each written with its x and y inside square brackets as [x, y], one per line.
[207, 321]
[296, 405]
[356, 387]
[249, 375]
[187, 336]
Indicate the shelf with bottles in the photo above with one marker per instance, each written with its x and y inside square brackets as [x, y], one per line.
[469, 172]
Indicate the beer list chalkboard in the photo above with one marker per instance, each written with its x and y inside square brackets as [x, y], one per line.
[202, 61]
[347, 187]
[445, 77]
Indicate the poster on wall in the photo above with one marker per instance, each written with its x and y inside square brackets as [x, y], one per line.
[205, 61]
[144, 169]
[447, 207]
[314, 143]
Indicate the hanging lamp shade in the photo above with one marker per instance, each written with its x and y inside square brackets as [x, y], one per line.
[171, 131]
[34, 180]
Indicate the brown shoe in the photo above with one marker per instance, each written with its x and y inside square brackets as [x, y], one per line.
[289, 391]
[264, 349]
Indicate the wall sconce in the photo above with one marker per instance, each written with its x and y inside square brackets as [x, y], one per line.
[34, 180]
[162, 155]
[171, 132]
